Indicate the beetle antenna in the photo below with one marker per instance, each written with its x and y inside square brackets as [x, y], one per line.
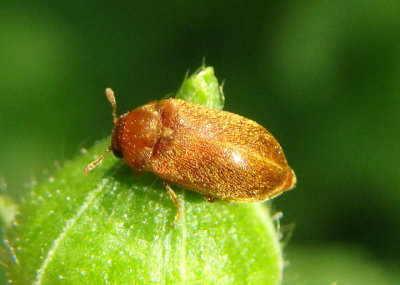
[97, 161]
[111, 99]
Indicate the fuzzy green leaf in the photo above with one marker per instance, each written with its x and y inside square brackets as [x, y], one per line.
[111, 227]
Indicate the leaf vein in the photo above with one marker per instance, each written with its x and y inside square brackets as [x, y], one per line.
[68, 225]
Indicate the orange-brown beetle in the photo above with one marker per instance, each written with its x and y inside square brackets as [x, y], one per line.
[216, 153]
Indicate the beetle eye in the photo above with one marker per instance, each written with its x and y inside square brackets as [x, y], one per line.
[117, 152]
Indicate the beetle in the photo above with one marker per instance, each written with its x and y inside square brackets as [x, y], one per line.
[216, 153]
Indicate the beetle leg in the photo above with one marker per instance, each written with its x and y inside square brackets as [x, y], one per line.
[176, 201]
[210, 198]
[137, 172]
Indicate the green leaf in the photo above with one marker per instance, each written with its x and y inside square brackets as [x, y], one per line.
[111, 227]
[8, 210]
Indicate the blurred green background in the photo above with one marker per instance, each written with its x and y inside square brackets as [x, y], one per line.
[322, 76]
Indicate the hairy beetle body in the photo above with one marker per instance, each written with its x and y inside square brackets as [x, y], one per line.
[216, 153]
